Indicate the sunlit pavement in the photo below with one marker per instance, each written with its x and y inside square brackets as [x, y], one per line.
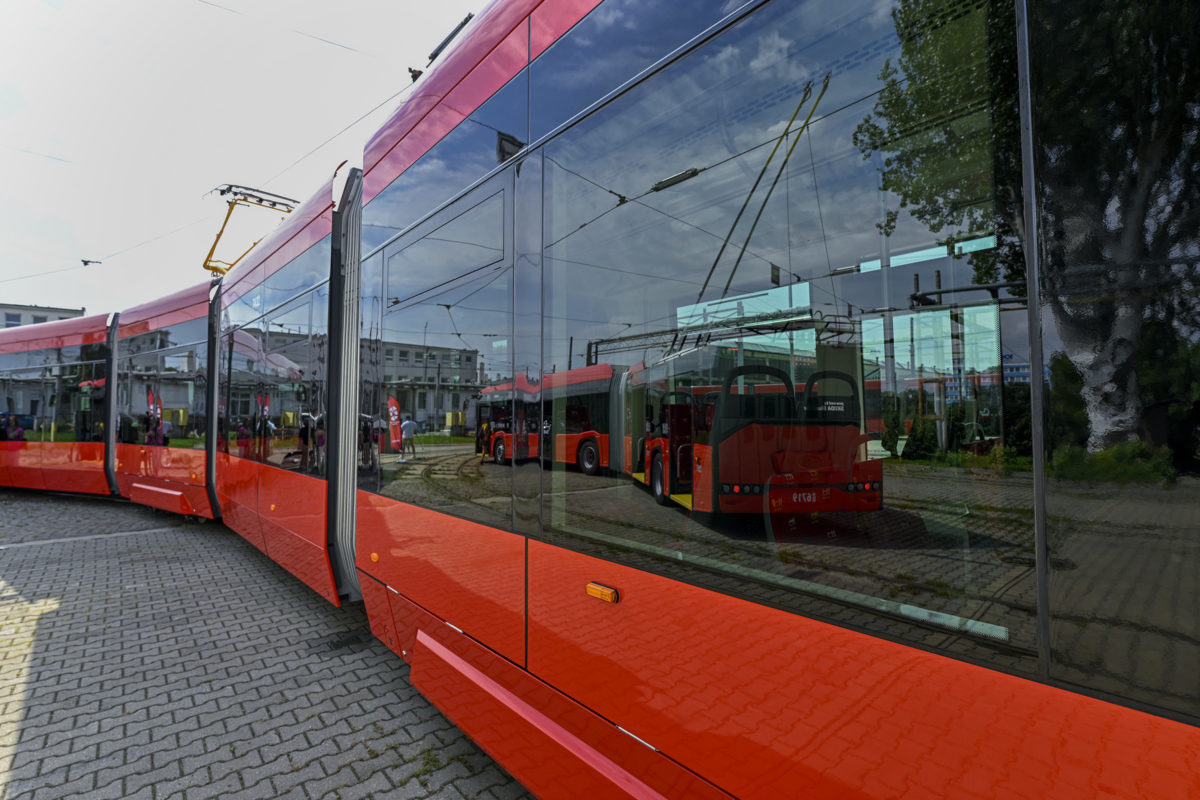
[145, 656]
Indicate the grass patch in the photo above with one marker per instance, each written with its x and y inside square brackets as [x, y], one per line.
[1128, 462]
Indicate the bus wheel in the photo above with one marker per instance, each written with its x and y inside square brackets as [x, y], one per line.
[589, 458]
[498, 452]
[657, 486]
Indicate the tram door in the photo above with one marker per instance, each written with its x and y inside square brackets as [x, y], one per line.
[444, 528]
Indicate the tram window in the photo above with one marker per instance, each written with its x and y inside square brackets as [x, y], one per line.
[1122, 445]
[195, 330]
[248, 382]
[248, 304]
[10, 361]
[161, 397]
[59, 403]
[447, 293]
[23, 395]
[616, 41]
[299, 275]
[463, 156]
[78, 402]
[786, 423]
[292, 382]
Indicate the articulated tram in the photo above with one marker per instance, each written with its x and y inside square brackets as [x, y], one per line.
[756, 387]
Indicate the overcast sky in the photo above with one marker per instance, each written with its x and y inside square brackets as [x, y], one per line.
[118, 117]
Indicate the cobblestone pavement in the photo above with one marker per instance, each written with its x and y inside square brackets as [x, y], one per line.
[145, 656]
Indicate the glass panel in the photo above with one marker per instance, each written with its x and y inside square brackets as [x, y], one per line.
[375, 373]
[778, 322]
[615, 42]
[448, 293]
[300, 275]
[23, 401]
[247, 391]
[316, 401]
[285, 372]
[243, 309]
[489, 137]
[161, 397]
[61, 398]
[527, 349]
[195, 330]
[1117, 140]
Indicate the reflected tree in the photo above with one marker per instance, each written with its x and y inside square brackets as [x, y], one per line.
[1118, 164]
[1117, 157]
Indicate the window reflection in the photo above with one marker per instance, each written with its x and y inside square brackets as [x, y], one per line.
[784, 373]
[437, 365]
[161, 380]
[275, 387]
[1120, 206]
[61, 401]
[486, 139]
[299, 275]
[615, 42]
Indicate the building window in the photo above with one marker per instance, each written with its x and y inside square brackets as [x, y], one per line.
[12, 320]
[38, 320]
[402, 356]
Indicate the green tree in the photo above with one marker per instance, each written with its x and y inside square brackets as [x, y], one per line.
[1117, 157]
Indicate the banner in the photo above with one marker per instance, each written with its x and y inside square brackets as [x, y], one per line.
[394, 423]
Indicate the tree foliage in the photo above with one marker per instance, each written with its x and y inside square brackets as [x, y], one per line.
[1116, 121]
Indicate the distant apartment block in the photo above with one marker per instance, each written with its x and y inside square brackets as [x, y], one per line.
[15, 315]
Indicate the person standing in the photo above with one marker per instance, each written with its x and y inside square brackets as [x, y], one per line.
[408, 433]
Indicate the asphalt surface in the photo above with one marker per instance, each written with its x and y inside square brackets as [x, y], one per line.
[147, 656]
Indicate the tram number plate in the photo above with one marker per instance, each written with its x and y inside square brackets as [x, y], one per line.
[804, 497]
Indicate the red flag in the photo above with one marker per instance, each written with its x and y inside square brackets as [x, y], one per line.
[394, 423]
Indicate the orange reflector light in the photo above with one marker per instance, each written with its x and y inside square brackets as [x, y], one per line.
[374, 556]
[602, 592]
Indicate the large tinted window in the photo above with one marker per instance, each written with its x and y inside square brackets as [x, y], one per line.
[275, 386]
[62, 399]
[783, 357]
[300, 275]
[486, 139]
[162, 377]
[1117, 141]
[615, 42]
[160, 390]
[437, 357]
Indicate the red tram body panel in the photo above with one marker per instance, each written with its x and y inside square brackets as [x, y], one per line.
[468, 574]
[770, 704]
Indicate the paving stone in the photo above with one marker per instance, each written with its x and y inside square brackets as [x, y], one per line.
[202, 670]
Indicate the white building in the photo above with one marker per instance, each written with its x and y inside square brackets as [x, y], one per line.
[14, 315]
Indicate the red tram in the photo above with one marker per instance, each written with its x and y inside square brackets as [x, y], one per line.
[683, 190]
